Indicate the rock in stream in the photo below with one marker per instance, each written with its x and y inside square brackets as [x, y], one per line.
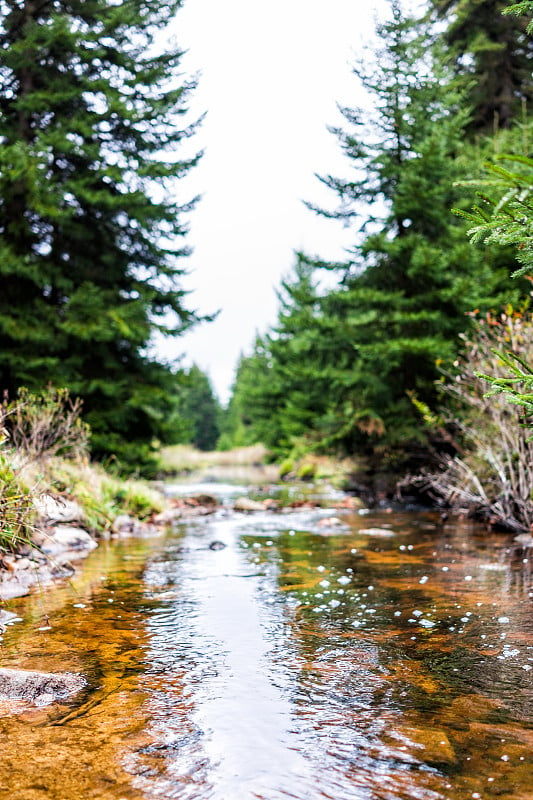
[40, 688]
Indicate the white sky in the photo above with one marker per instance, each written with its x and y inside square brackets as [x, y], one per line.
[270, 77]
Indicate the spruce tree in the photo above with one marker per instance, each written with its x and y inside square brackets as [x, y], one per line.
[199, 409]
[410, 283]
[493, 53]
[91, 217]
[344, 364]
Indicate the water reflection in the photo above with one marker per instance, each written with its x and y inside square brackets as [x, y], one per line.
[342, 665]
[386, 658]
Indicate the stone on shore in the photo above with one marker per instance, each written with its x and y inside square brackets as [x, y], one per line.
[58, 509]
[67, 538]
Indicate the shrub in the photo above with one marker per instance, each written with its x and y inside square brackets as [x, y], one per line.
[40, 426]
[493, 469]
[15, 499]
[306, 471]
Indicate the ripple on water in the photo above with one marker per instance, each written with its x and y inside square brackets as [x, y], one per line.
[215, 678]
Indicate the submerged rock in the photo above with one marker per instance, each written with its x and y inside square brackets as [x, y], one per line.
[330, 522]
[125, 525]
[40, 688]
[384, 532]
[217, 545]
[48, 560]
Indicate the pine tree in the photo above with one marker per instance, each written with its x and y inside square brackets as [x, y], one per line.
[199, 409]
[255, 405]
[492, 51]
[91, 223]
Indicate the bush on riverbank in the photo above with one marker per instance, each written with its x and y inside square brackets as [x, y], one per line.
[491, 474]
[44, 451]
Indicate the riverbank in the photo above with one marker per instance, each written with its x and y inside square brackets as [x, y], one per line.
[58, 512]
[71, 505]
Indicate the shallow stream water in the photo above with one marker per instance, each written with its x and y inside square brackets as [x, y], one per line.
[317, 655]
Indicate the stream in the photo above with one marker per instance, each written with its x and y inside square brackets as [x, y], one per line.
[310, 654]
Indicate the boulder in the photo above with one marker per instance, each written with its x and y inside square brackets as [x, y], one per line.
[246, 504]
[64, 538]
[14, 563]
[124, 524]
[58, 509]
[40, 688]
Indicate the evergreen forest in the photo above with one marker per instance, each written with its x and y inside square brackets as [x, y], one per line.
[96, 138]
[362, 350]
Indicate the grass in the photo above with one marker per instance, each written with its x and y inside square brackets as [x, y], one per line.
[185, 458]
[16, 507]
[43, 450]
[101, 496]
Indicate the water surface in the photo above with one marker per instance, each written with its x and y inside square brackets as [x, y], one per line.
[317, 654]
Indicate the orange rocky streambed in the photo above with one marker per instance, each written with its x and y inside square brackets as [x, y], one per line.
[312, 653]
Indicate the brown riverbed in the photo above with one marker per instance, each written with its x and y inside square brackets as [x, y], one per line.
[372, 656]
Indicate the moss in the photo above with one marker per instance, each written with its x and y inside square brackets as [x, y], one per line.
[306, 471]
[285, 468]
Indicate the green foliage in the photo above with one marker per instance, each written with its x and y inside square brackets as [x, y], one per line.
[306, 471]
[34, 428]
[520, 10]
[286, 467]
[492, 54]
[517, 383]
[504, 217]
[493, 469]
[505, 213]
[16, 509]
[245, 421]
[199, 410]
[336, 372]
[131, 497]
[102, 496]
[91, 228]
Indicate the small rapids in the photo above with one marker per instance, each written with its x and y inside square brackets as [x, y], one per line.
[309, 654]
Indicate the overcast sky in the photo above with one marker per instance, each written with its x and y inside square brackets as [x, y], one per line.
[271, 75]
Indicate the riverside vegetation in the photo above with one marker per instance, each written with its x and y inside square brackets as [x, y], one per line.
[395, 362]
[44, 453]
